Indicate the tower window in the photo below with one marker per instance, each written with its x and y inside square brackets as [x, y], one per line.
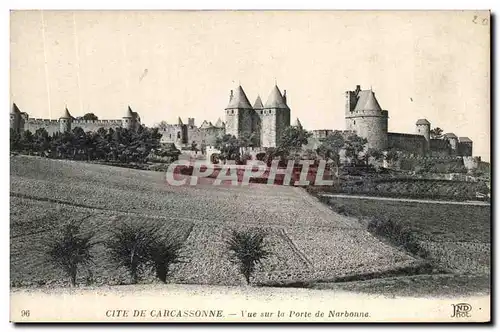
[178, 135]
[261, 112]
[232, 111]
[354, 121]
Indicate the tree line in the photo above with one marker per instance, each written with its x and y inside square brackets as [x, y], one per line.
[117, 145]
[291, 146]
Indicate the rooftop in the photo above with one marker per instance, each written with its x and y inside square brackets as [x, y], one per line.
[450, 135]
[66, 114]
[423, 122]
[367, 101]
[238, 99]
[275, 99]
[258, 103]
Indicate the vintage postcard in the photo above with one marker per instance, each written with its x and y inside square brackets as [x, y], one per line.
[250, 166]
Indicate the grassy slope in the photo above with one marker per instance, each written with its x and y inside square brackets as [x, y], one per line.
[455, 238]
[45, 193]
[436, 222]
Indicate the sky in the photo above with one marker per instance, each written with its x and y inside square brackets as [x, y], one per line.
[166, 64]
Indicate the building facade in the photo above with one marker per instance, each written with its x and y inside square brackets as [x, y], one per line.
[265, 121]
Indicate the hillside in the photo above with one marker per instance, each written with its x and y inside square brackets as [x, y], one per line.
[308, 241]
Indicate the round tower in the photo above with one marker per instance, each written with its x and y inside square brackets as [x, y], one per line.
[238, 113]
[275, 118]
[423, 127]
[65, 121]
[128, 119]
[367, 119]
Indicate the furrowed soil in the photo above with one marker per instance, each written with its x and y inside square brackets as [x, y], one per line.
[456, 237]
[309, 243]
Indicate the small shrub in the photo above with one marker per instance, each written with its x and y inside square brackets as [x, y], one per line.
[70, 250]
[337, 207]
[398, 234]
[131, 245]
[247, 249]
[163, 253]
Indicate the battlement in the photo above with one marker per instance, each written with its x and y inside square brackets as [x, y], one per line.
[367, 113]
[96, 122]
[42, 121]
[415, 136]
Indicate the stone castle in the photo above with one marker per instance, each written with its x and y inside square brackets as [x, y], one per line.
[266, 122]
[365, 117]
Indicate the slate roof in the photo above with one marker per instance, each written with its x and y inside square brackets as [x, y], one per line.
[204, 125]
[423, 122]
[367, 101]
[66, 114]
[129, 113]
[239, 99]
[297, 123]
[258, 103]
[219, 123]
[275, 99]
[15, 109]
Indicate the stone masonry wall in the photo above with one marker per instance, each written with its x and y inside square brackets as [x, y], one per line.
[232, 122]
[268, 128]
[51, 126]
[407, 143]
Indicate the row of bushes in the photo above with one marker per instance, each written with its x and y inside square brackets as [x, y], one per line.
[432, 165]
[141, 247]
[409, 188]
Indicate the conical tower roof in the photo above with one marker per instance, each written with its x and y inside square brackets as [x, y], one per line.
[371, 103]
[258, 104]
[128, 113]
[219, 123]
[204, 124]
[297, 123]
[239, 99]
[15, 109]
[179, 121]
[367, 101]
[66, 114]
[275, 99]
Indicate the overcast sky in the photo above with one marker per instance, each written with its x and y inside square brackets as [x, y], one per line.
[432, 65]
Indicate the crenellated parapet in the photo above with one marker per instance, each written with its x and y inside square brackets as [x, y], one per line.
[20, 121]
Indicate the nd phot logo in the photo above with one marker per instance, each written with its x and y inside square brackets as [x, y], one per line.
[461, 310]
